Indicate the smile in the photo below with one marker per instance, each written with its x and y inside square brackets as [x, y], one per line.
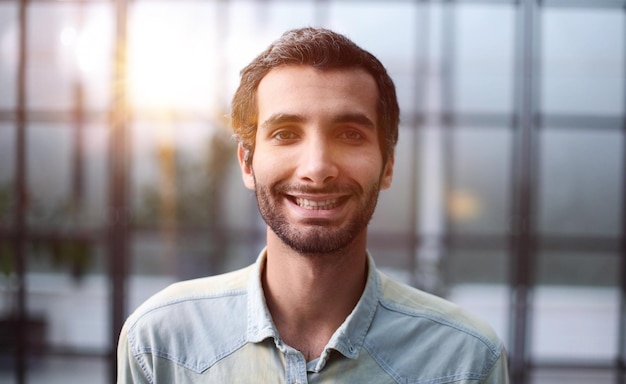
[317, 205]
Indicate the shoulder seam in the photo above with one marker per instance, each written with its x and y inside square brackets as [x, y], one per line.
[433, 316]
[141, 312]
[398, 378]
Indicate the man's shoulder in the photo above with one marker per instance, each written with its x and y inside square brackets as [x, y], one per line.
[192, 322]
[414, 304]
[413, 328]
[199, 291]
[227, 284]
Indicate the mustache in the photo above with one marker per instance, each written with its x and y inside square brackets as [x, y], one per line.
[331, 188]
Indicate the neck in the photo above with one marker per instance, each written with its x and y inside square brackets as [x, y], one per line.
[310, 296]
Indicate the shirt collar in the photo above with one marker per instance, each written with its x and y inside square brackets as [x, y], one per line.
[347, 339]
[260, 323]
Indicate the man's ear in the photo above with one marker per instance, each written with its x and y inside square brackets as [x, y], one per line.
[387, 175]
[245, 163]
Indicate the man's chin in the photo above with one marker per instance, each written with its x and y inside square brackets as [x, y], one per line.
[318, 223]
[317, 241]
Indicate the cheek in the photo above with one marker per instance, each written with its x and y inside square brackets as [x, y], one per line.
[364, 168]
[267, 167]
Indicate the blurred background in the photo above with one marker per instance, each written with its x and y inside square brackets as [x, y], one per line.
[118, 174]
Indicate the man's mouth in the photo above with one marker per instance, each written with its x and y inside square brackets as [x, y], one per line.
[316, 204]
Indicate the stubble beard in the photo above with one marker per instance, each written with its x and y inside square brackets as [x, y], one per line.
[319, 236]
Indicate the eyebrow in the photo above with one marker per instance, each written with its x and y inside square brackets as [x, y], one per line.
[356, 118]
[282, 118]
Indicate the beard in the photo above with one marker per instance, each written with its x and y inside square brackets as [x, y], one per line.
[319, 236]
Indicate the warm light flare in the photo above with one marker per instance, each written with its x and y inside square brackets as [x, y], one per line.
[463, 205]
[169, 64]
[87, 49]
[68, 36]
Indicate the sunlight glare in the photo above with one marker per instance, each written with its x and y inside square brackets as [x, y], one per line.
[8, 46]
[90, 53]
[68, 36]
[170, 64]
[87, 49]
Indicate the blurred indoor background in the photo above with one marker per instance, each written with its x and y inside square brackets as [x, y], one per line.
[118, 174]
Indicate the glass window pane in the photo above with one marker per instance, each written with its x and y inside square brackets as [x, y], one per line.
[8, 54]
[281, 15]
[391, 256]
[153, 254]
[69, 44]
[363, 22]
[68, 370]
[576, 306]
[62, 191]
[477, 280]
[51, 74]
[389, 240]
[164, 256]
[582, 53]
[7, 172]
[578, 269]
[478, 196]
[253, 25]
[49, 149]
[572, 376]
[71, 302]
[247, 36]
[431, 173]
[581, 182]
[192, 210]
[7, 375]
[93, 47]
[466, 266]
[95, 174]
[240, 211]
[578, 324]
[483, 61]
[179, 170]
[393, 213]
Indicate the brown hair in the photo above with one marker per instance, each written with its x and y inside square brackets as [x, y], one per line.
[322, 49]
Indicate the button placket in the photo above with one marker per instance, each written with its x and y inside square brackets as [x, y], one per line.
[295, 369]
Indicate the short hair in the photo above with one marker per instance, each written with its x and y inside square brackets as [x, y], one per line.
[324, 50]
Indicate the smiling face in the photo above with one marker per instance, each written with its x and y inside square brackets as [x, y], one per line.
[317, 166]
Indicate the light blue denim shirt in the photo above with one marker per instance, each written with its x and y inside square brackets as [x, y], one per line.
[218, 330]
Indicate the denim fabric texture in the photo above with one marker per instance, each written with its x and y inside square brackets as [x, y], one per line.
[218, 330]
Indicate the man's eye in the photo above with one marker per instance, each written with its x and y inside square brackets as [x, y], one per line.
[284, 135]
[351, 135]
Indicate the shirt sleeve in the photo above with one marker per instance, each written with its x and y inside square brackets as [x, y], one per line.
[129, 369]
[500, 371]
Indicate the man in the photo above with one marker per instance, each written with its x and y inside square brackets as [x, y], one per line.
[316, 118]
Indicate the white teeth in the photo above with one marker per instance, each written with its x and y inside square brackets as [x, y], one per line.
[310, 204]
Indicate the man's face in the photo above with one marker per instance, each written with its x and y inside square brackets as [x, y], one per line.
[317, 166]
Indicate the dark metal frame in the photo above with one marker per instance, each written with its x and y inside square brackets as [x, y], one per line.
[20, 193]
[119, 206]
[523, 237]
[523, 242]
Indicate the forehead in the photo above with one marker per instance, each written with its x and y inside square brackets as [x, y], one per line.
[304, 89]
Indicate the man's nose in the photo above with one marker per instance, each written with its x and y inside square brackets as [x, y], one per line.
[317, 162]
